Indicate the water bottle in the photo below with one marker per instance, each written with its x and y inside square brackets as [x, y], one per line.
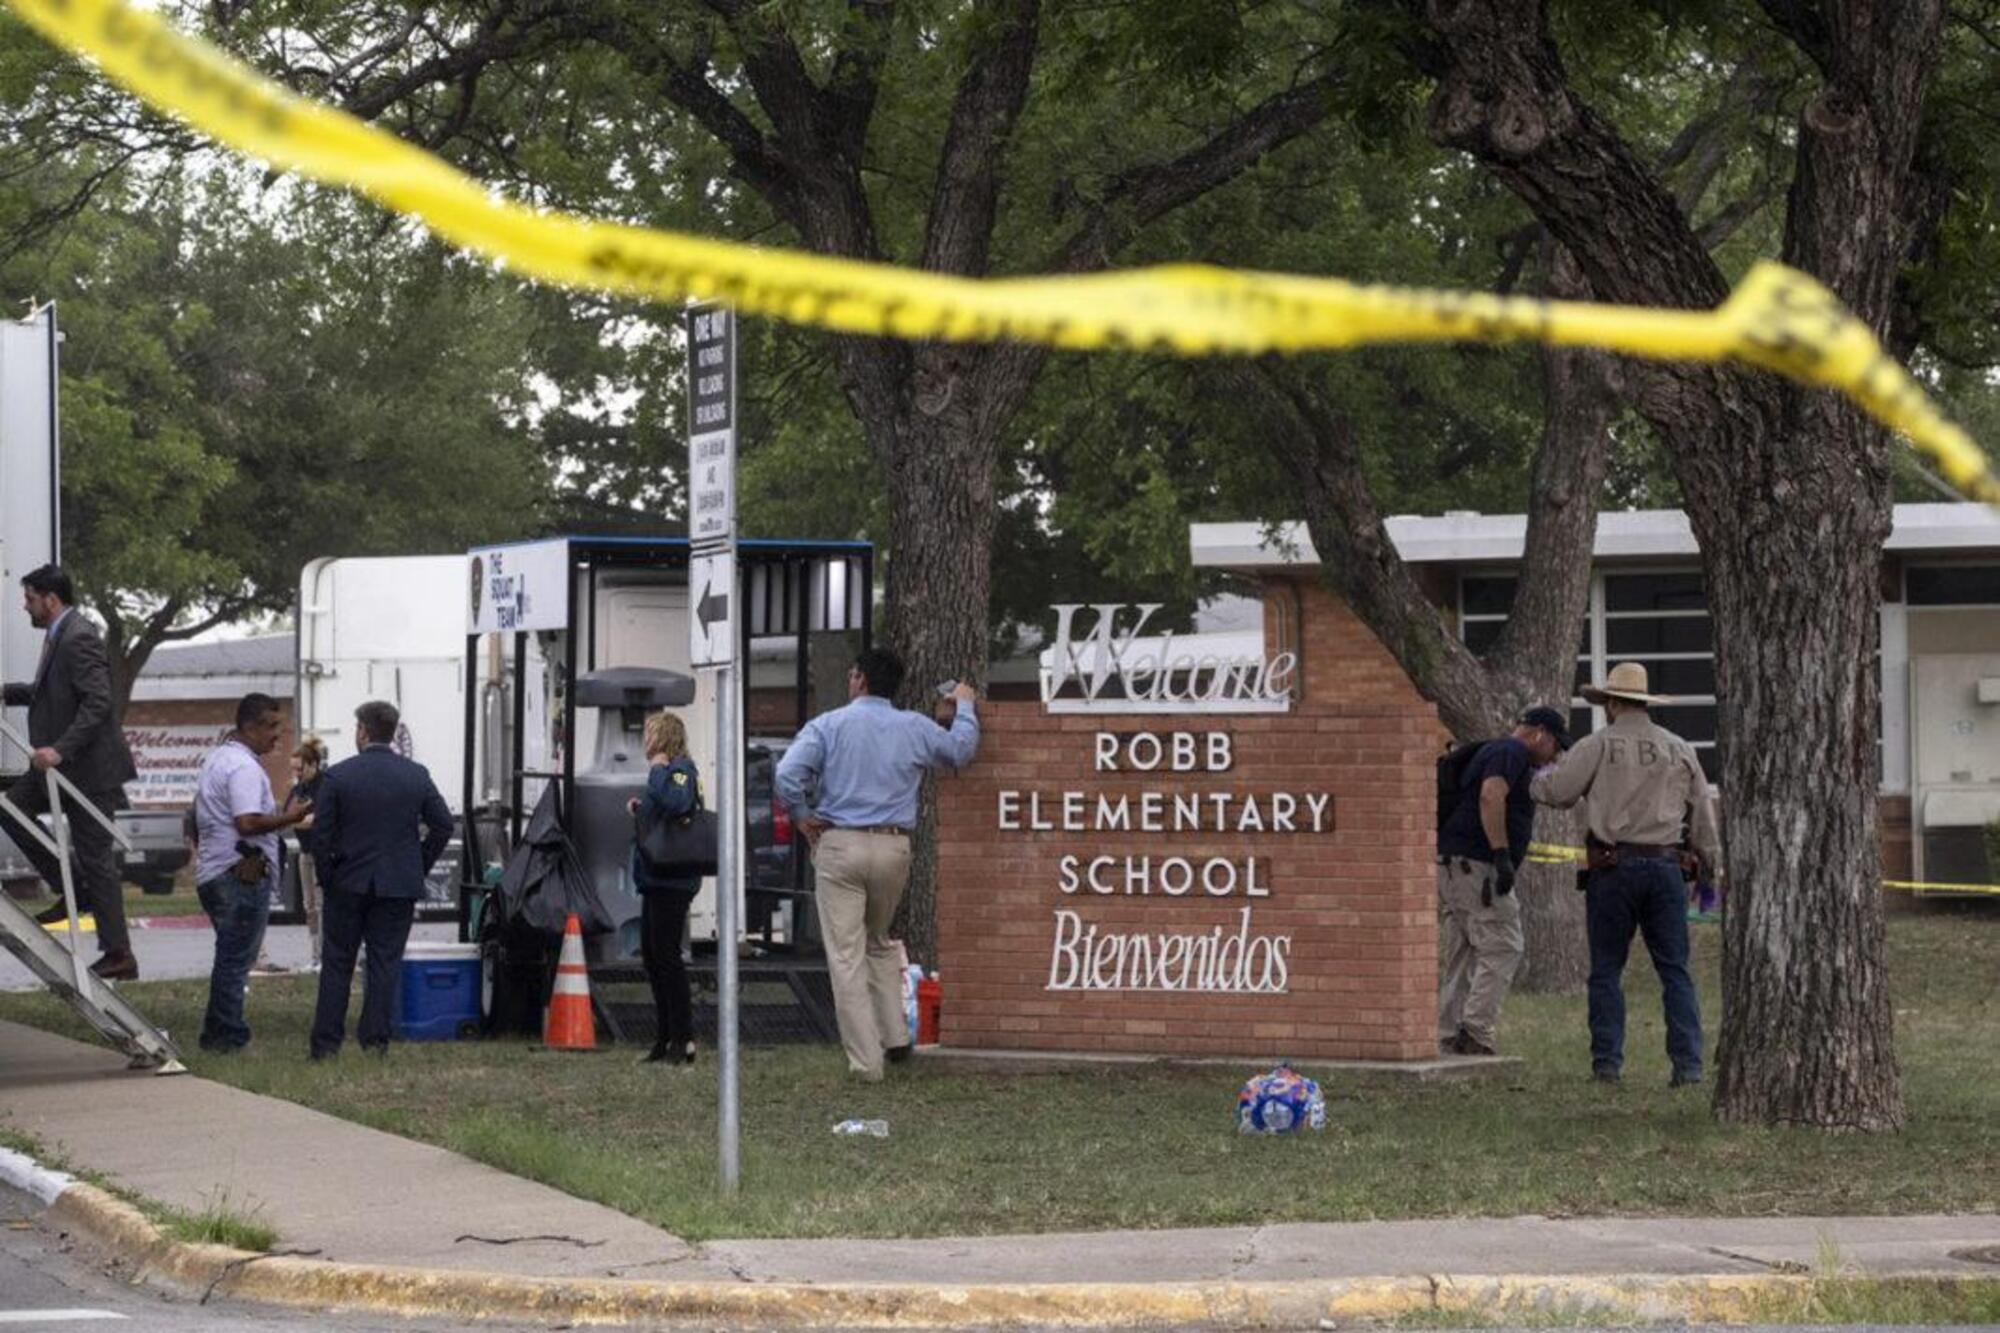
[878, 1128]
[912, 974]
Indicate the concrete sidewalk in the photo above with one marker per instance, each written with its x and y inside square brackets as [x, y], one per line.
[354, 1195]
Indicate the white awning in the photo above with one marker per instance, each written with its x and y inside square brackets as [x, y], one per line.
[1471, 539]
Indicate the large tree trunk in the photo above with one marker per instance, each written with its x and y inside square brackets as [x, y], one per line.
[1580, 391]
[1806, 1033]
[1557, 957]
[942, 515]
[1792, 539]
[127, 658]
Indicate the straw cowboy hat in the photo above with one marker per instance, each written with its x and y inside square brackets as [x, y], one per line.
[1627, 681]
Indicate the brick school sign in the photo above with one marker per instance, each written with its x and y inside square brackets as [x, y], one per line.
[1187, 853]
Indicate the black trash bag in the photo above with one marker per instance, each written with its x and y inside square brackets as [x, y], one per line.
[518, 963]
[544, 881]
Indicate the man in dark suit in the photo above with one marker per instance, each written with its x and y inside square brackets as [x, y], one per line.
[73, 726]
[373, 872]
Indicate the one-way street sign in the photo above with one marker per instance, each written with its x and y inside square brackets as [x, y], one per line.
[711, 372]
[712, 608]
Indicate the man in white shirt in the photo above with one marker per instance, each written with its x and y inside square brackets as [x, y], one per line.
[237, 822]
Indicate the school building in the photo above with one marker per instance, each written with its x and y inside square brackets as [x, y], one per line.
[1940, 647]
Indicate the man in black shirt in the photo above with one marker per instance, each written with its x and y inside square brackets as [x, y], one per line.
[1480, 845]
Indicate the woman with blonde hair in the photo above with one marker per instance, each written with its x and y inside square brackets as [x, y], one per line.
[673, 791]
[308, 767]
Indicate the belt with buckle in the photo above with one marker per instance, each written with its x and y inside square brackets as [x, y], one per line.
[893, 830]
[1649, 851]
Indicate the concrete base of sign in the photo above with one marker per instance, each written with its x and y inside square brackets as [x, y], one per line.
[1440, 1067]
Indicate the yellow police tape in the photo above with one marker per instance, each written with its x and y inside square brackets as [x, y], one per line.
[1921, 887]
[1551, 853]
[1777, 318]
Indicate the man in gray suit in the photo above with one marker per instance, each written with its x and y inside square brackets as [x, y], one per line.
[73, 726]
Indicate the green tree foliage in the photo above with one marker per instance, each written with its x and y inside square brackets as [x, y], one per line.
[252, 377]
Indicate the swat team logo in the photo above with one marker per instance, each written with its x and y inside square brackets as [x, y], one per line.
[478, 582]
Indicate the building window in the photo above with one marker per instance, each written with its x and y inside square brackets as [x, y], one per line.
[1658, 618]
[1952, 585]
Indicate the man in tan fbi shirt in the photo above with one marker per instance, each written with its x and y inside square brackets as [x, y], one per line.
[1641, 785]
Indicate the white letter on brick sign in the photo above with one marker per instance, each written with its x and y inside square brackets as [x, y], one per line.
[1065, 949]
[1317, 802]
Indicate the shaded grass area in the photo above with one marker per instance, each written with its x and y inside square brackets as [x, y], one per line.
[1908, 1302]
[181, 902]
[978, 1151]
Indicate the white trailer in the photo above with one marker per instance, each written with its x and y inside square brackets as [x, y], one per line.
[30, 481]
[386, 628]
[518, 622]
[548, 612]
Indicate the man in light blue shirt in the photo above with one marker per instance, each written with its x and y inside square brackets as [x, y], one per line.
[851, 781]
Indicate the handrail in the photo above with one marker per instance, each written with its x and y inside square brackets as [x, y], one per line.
[58, 779]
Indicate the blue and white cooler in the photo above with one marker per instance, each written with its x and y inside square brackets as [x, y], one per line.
[439, 998]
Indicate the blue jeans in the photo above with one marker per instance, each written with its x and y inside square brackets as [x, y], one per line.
[1650, 897]
[238, 911]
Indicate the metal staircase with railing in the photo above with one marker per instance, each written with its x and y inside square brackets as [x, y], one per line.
[57, 961]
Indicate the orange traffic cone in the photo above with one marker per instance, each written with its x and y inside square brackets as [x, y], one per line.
[569, 1025]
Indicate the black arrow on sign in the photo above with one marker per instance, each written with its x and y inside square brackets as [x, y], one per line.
[711, 608]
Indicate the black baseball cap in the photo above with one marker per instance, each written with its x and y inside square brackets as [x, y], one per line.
[1549, 720]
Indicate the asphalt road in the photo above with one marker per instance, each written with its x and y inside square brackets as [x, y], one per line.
[169, 951]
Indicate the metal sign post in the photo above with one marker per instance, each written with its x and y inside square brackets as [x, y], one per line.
[713, 607]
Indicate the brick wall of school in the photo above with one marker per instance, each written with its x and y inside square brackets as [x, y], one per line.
[1356, 901]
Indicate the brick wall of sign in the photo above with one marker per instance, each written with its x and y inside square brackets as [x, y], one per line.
[1289, 903]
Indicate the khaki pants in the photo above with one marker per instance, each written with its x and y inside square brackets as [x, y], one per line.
[860, 878]
[1479, 948]
[310, 898]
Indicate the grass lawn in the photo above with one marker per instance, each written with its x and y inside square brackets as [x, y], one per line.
[181, 902]
[976, 1152]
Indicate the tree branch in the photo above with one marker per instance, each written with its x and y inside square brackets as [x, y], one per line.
[1727, 220]
[958, 235]
[756, 161]
[492, 42]
[1503, 96]
[1142, 195]
[227, 610]
[1315, 445]
[856, 78]
[1580, 398]
[1805, 25]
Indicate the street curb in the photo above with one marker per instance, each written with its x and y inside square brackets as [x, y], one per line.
[24, 1173]
[204, 1271]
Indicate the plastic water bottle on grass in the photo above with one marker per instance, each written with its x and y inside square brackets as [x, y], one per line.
[877, 1128]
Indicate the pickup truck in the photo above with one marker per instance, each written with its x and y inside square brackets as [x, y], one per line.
[158, 852]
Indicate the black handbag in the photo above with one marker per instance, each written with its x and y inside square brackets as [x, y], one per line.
[684, 848]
